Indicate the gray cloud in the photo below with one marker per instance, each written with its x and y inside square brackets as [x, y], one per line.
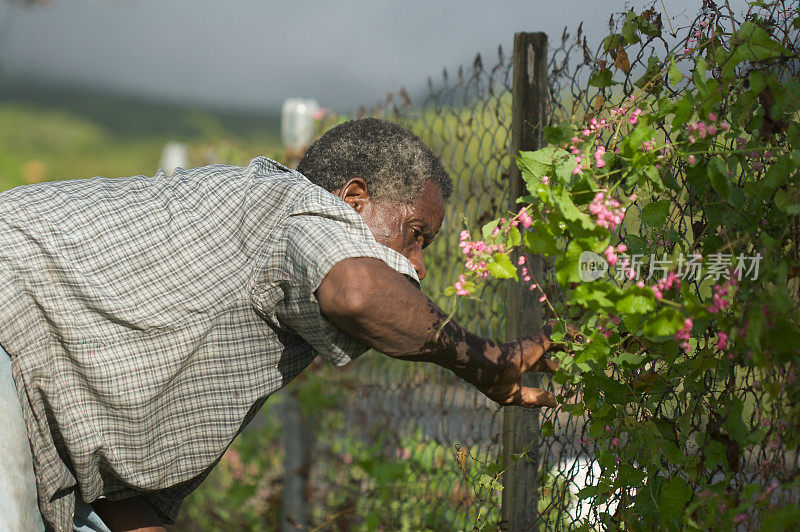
[255, 53]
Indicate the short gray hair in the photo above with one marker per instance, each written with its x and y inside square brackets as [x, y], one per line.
[393, 162]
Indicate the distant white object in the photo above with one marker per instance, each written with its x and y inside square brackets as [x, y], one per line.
[175, 155]
[297, 122]
[584, 472]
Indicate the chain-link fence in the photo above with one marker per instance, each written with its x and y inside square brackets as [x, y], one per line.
[424, 436]
[409, 444]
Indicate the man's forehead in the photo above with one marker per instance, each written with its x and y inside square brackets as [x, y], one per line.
[430, 200]
[430, 206]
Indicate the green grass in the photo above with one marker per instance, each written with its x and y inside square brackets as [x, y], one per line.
[51, 134]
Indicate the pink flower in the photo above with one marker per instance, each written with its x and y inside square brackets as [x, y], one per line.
[712, 117]
[525, 218]
[545, 180]
[722, 340]
[541, 299]
[691, 159]
[611, 256]
[684, 334]
[521, 260]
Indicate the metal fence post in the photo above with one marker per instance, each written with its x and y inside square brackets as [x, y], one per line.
[523, 309]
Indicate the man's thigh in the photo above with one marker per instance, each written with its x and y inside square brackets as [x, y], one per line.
[19, 509]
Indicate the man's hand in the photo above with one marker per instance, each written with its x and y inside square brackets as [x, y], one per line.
[375, 304]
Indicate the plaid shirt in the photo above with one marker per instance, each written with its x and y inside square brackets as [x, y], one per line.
[149, 318]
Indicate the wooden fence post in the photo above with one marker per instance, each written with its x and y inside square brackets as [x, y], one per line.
[523, 309]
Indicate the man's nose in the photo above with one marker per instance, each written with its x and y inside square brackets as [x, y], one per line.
[419, 265]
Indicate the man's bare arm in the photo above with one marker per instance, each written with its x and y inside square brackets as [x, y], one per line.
[372, 302]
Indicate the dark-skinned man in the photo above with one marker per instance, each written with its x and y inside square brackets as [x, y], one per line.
[145, 320]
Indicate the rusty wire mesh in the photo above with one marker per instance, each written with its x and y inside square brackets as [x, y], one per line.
[431, 432]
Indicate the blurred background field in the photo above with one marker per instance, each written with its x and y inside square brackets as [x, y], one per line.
[50, 133]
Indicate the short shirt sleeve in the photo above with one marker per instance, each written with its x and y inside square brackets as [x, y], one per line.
[308, 244]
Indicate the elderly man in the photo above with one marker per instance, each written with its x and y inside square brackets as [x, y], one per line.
[147, 319]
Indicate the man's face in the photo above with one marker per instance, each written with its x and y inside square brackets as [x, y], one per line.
[407, 229]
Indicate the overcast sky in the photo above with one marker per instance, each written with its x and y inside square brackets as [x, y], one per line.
[256, 53]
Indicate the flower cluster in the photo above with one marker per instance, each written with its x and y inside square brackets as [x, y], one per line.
[694, 37]
[702, 129]
[611, 253]
[607, 210]
[684, 334]
[523, 217]
[665, 283]
[478, 254]
[718, 301]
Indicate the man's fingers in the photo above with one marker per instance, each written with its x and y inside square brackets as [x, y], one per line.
[546, 365]
[536, 397]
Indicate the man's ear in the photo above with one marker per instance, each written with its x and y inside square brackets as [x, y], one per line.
[355, 193]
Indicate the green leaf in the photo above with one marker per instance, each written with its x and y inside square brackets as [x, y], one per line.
[559, 134]
[629, 359]
[655, 214]
[683, 111]
[782, 520]
[629, 32]
[785, 202]
[539, 162]
[514, 238]
[630, 476]
[675, 493]
[665, 322]
[597, 350]
[541, 240]
[488, 229]
[612, 42]
[602, 78]
[636, 301]
[490, 482]
[675, 74]
[718, 175]
[593, 295]
[502, 268]
[699, 73]
[776, 175]
[567, 265]
[547, 429]
[567, 209]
